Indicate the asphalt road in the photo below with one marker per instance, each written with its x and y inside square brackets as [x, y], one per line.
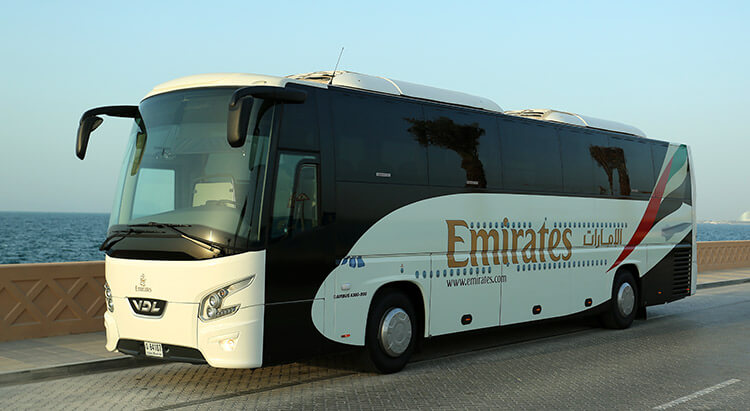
[691, 354]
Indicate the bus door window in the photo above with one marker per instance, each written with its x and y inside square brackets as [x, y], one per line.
[296, 205]
[304, 200]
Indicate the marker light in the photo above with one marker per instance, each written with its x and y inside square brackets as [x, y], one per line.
[210, 307]
[228, 344]
[108, 298]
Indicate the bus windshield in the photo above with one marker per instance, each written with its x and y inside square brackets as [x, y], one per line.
[179, 169]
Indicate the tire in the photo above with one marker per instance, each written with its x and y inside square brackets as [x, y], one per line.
[624, 304]
[391, 333]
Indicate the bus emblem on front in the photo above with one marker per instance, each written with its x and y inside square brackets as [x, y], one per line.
[142, 285]
[147, 306]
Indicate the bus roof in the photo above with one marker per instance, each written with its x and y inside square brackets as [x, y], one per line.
[322, 78]
[348, 79]
[222, 79]
[398, 88]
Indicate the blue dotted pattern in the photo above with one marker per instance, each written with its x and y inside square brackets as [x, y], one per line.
[457, 272]
[561, 264]
[556, 224]
[352, 261]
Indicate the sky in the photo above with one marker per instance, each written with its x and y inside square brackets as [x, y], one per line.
[679, 71]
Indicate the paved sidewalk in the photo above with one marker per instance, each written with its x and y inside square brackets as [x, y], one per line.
[24, 356]
[731, 274]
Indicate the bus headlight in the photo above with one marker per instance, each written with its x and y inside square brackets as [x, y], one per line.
[211, 306]
[214, 300]
[108, 298]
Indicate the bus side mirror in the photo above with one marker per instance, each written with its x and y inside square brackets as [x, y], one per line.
[241, 108]
[90, 120]
[85, 127]
[239, 116]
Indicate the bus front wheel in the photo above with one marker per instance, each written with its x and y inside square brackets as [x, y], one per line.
[391, 332]
[624, 304]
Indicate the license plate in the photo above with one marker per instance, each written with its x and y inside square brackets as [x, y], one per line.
[153, 349]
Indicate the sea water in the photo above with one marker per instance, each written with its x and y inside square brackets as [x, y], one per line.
[722, 232]
[51, 237]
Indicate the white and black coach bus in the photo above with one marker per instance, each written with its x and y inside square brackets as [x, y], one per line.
[262, 219]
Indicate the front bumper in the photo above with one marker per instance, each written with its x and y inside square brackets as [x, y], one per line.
[183, 331]
[183, 285]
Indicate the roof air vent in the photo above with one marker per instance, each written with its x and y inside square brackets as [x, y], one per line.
[577, 120]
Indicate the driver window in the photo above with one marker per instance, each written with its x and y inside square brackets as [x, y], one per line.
[295, 212]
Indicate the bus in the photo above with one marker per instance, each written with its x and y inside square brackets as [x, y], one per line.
[260, 219]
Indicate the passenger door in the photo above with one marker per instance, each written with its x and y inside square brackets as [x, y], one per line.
[298, 256]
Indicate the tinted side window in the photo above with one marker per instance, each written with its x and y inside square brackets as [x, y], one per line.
[634, 178]
[685, 190]
[659, 154]
[530, 156]
[578, 164]
[299, 123]
[606, 159]
[463, 147]
[373, 139]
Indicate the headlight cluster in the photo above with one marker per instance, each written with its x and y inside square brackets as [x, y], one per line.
[108, 297]
[211, 307]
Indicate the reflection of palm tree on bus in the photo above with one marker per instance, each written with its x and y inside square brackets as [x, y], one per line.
[611, 159]
[461, 138]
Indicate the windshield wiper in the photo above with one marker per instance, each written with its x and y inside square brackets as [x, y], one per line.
[215, 248]
[113, 239]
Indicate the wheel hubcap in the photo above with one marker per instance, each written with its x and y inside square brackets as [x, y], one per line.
[395, 332]
[625, 299]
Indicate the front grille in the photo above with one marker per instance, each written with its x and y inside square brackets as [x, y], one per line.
[681, 276]
[171, 352]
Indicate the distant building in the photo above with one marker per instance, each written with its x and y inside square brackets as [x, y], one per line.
[745, 216]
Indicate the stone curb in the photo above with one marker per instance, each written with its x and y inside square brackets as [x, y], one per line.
[71, 370]
[714, 284]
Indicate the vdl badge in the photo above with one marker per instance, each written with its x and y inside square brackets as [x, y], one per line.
[153, 349]
[148, 306]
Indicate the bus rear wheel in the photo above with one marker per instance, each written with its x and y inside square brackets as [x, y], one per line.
[391, 332]
[624, 304]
